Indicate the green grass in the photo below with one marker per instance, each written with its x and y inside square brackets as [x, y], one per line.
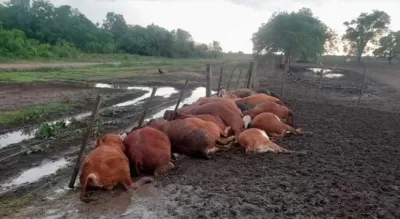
[32, 114]
[121, 70]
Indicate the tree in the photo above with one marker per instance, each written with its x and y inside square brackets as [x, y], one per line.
[389, 46]
[364, 29]
[293, 34]
[116, 24]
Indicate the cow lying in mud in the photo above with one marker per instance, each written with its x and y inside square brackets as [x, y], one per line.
[217, 109]
[187, 138]
[149, 149]
[272, 125]
[280, 111]
[106, 166]
[255, 140]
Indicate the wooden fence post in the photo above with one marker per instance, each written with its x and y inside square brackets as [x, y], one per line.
[238, 79]
[179, 100]
[146, 107]
[362, 87]
[320, 79]
[208, 77]
[219, 82]
[283, 79]
[250, 74]
[84, 142]
[229, 83]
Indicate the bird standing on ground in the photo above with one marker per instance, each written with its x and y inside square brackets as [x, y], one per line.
[159, 71]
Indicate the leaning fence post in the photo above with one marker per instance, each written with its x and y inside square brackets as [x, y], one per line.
[250, 74]
[284, 76]
[229, 82]
[238, 79]
[219, 82]
[179, 100]
[84, 142]
[320, 79]
[362, 87]
[146, 107]
[208, 77]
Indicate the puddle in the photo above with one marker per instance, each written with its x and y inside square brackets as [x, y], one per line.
[19, 135]
[15, 137]
[165, 92]
[327, 73]
[196, 94]
[34, 174]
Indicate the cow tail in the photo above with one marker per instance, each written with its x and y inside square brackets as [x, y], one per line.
[91, 176]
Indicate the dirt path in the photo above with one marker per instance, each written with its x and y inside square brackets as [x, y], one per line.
[31, 66]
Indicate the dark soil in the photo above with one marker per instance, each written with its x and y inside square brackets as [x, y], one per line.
[351, 170]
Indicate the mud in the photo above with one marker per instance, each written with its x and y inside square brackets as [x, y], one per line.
[350, 170]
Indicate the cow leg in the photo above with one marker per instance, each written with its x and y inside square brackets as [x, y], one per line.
[225, 140]
[163, 169]
[227, 129]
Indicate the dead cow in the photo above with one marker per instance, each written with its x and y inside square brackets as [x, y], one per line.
[228, 102]
[257, 141]
[229, 117]
[206, 117]
[186, 138]
[272, 125]
[257, 99]
[105, 166]
[281, 111]
[149, 149]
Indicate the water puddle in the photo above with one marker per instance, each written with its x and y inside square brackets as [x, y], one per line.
[20, 135]
[15, 137]
[327, 73]
[165, 92]
[34, 174]
[196, 94]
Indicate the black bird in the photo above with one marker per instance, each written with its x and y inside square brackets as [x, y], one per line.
[159, 71]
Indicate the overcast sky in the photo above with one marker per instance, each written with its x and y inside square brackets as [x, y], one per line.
[232, 22]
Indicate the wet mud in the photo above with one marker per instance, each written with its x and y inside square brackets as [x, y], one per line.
[350, 171]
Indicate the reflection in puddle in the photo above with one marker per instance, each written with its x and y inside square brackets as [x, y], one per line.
[328, 73]
[15, 137]
[34, 174]
[19, 135]
[165, 92]
[196, 94]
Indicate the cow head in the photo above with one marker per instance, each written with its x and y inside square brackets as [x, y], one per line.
[247, 121]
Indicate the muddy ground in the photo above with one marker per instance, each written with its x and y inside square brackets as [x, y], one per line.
[350, 171]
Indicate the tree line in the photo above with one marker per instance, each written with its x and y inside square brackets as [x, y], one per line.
[31, 28]
[302, 35]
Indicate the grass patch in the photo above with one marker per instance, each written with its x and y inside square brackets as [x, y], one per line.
[32, 114]
[121, 70]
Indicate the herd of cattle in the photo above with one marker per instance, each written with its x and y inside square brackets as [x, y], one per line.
[254, 119]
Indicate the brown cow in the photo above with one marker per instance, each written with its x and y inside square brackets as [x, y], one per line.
[112, 140]
[206, 117]
[229, 117]
[281, 111]
[149, 149]
[228, 102]
[272, 125]
[104, 167]
[257, 99]
[186, 138]
[213, 129]
[256, 140]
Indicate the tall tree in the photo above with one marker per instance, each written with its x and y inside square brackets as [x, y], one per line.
[116, 24]
[293, 34]
[364, 29]
[389, 46]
